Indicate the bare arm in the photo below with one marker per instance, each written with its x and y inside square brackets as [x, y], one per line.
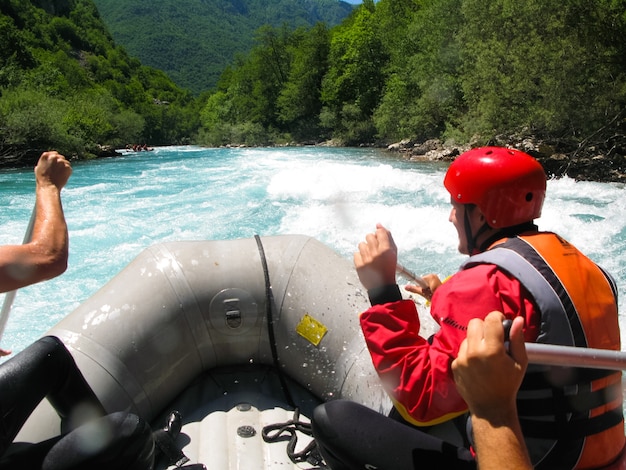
[45, 256]
[488, 379]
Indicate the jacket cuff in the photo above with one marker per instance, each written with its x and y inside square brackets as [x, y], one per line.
[384, 294]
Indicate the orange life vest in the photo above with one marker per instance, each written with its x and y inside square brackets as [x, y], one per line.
[571, 418]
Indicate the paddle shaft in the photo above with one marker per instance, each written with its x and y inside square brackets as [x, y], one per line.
[10, 296]
[414, 277]
[569, 356]
[556, 355]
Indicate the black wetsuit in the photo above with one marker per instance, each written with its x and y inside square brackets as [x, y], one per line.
[343, 429]
[46, 369]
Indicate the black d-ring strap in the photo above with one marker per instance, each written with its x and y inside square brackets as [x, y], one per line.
[288, 432]
[269, 302]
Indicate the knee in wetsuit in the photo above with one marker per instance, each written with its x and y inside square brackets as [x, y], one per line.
[120, 440]
[72, 397]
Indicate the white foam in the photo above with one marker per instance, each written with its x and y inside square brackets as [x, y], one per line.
[117, 207]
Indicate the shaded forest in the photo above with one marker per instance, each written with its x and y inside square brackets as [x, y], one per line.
[456, 69]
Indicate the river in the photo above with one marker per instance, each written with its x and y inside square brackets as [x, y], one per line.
[116, 207]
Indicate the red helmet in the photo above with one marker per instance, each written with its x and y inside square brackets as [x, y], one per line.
[507, 185]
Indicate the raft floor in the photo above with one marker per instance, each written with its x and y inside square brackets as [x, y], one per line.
[224, 412]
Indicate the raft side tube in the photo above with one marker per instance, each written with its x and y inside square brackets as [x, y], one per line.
[181, 308]
[324, 286]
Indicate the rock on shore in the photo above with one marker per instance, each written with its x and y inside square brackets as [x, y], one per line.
[584, 163]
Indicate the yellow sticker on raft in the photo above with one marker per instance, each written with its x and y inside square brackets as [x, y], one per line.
[310, 329]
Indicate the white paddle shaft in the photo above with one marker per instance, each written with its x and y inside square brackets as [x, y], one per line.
[414, 277]
[569, 356]
[552, 354]
[10, 296]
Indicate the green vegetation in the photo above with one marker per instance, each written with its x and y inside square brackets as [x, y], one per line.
[453, 69]
[65, 85]
[193, 41]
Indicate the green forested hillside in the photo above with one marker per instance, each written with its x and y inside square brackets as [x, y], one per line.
[462, 70]
[193, 41]
[65, 85]
[451, 69]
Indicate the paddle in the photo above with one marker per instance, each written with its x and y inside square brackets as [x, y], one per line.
[10, 296]
[553, 354]
[414, 277]
[557, 355]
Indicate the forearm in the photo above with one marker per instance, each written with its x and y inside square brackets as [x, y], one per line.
[499, 443]
[488, 375]
[45, 256]
[50, 241]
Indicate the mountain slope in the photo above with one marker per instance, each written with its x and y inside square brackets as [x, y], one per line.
[65, 85]
[194, 40]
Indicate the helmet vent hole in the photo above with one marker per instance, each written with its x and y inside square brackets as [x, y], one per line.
[529, 197]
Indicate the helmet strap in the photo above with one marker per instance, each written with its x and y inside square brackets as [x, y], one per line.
[470, 238]
[473, 249]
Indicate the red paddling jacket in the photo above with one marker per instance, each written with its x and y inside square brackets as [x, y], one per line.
[572, 418]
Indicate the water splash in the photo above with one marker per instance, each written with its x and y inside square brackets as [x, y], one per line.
[117, 207]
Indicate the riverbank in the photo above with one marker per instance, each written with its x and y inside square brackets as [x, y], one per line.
[12, 157]
[602, 163]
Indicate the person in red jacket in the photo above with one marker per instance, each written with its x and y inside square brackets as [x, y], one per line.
[570, 419]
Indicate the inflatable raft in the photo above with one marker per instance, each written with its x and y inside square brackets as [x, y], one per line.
[235, 335]
[243, 338]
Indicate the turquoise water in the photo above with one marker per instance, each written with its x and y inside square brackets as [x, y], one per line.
[117, 207]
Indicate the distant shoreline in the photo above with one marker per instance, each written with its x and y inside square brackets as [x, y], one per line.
[580, 164]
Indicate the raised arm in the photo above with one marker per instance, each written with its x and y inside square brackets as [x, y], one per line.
[45, 256]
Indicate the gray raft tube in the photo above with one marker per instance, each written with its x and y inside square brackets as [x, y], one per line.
[181, 308]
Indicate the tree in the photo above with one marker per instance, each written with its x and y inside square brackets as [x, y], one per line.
[356, 74]
[422, 97]
[540, 64]
[299, 101]
[14, 54]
